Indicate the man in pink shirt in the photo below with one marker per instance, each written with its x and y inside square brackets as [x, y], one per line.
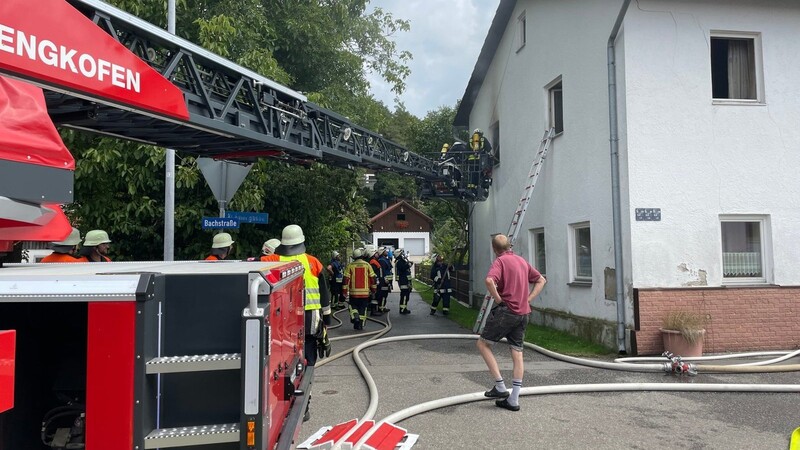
[508, 282]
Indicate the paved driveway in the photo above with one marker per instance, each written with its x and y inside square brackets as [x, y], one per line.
[413, 372]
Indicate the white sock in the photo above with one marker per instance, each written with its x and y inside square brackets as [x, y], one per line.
[500, 385]
[513, 400]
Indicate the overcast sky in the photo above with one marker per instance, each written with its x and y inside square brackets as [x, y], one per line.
[446, 37]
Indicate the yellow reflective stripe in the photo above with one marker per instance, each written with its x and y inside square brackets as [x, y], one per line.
[313, 298]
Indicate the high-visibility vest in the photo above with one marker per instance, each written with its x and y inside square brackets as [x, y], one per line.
[359, 279]
[59, 258]
[311, 277]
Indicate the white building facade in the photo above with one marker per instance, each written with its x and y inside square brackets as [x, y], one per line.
[709, 154]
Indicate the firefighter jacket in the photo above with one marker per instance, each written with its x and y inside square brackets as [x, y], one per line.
[386, 268]
[337, 271]
[440, 274]
[403, 268]
[376, 266]
[102, 259]
[359, 280]
[60, 258]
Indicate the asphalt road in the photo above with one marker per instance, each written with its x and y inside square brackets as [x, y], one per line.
[413, 372]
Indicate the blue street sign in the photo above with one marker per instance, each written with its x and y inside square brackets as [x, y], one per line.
[219, 222]
[248, 217]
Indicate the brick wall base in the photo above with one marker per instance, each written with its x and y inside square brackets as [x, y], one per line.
[738, 318]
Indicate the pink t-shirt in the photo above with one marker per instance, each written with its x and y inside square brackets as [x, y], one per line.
[513, 277]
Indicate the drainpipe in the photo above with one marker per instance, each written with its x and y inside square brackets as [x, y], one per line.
[615, 190]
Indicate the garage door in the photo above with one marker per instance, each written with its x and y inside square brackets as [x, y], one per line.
[415, 246]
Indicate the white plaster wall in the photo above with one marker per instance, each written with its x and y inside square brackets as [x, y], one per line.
[566, 39]
[696, 160]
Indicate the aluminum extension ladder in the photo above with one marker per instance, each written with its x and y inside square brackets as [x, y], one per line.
[519, 214]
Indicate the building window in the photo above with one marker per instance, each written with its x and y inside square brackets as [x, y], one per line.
[555, 106]
[744, 249]
[522, 26]
[494, 132]
[581, 245]
[401, 217]
[539, 253]
[735, 67]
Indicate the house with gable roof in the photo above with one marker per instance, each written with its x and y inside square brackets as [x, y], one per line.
[403, 226]
[672, 180]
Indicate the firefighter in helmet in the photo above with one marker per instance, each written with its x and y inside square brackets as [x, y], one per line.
[440, 274]
[317, 303]
[371, 256]
[358, 285]
[388, 278]
[403, 268]
[95, 247]
[221, 247]
[64, 251]
[269, 248]
[336, 273]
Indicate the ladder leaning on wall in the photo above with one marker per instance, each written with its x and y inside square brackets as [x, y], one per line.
[519, 214]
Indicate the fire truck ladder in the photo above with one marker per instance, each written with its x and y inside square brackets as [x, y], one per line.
[234, 113]
[519, 214]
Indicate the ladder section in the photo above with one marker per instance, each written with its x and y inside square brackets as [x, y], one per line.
[192, 436]
[194, 363]
[530, 184]
[519, 215]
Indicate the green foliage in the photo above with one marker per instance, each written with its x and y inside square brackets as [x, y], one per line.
[450, 236]
[320, 47]
[434, 130]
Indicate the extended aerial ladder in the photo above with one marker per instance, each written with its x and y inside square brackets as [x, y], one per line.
[519, 214]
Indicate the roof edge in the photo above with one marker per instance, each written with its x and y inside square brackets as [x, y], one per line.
[493, 37]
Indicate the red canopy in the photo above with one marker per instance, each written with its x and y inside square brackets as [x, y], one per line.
[27, 135]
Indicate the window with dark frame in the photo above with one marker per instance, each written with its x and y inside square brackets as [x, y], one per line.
[523, 30]
[556, 100]
[540, 254]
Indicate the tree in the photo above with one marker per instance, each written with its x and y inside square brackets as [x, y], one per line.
[322, 48]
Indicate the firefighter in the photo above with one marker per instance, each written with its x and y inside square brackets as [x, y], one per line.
[388, 278]
[359, 284]
[317, 296]
[440, 274]
[403, 268]
[370, 255]
[335, 271]
[95, 247]
[64, 251]
[221, 247]
[269, 248]
[443, 152]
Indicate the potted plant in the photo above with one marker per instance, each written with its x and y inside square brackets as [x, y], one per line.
[683, 333]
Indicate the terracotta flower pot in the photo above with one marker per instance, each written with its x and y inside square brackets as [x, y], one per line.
[675, 343]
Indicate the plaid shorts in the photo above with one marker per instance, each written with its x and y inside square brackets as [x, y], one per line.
[502, 323]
